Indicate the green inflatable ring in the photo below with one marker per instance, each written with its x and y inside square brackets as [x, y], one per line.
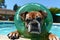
[32, 7]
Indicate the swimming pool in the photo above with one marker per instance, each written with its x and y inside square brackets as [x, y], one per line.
[9, 26]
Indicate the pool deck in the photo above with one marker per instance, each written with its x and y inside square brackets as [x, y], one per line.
[4, 37]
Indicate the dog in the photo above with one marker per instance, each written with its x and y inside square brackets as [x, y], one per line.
[33, 22]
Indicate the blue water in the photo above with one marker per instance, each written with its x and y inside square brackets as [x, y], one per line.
[7, 27]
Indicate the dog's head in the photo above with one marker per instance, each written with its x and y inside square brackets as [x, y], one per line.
[33, 20]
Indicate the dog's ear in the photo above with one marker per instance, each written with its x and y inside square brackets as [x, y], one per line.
[43, 13]
[23, 15]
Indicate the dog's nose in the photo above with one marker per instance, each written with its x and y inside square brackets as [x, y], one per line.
[34, 27]
[34, 24]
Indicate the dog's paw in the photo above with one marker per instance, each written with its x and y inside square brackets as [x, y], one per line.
[13, 35]
[53, 37]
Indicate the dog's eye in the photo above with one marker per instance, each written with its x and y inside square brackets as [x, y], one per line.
[28, 20]
[38, 18]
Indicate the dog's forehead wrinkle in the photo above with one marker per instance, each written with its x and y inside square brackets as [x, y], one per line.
[33, 15]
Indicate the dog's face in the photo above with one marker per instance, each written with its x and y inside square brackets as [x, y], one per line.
[33, 21]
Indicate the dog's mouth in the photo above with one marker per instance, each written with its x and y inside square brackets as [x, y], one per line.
[34, 28]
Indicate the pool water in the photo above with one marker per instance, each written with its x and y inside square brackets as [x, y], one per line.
[7, 27]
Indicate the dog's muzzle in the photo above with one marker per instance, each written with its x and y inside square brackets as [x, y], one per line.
[34, 27]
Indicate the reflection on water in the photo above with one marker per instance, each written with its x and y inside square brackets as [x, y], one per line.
[7, 27]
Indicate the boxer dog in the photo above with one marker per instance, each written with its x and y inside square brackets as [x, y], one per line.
[33, 22]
